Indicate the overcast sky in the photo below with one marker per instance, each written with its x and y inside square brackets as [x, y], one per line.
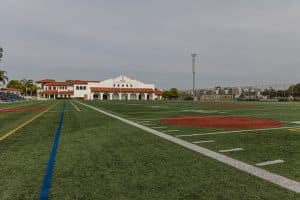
[239, 42]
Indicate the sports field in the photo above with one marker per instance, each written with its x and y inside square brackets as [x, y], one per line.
[149, 150]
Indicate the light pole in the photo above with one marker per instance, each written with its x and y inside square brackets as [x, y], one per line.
[1, 53]
[193, 69]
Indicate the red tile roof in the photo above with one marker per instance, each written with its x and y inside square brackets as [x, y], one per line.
[69, 82]
[69, 92]
[46, 81]
[49, 92]
[10, 89]
[125, 90]
[66, 92]
[59, 84]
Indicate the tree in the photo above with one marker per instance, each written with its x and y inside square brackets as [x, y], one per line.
[15, 84]
[294, 90]
[27, 86]
[3, 77]
[171, 94]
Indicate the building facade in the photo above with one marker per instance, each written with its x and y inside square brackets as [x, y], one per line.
[119, 88]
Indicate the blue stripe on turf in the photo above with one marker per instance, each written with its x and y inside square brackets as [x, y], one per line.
[51, 163]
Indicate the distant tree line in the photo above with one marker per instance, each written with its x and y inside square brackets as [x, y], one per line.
[26, 86]
[293, 90]
[171, 94]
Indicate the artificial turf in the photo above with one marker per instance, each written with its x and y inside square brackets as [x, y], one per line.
[102, 158]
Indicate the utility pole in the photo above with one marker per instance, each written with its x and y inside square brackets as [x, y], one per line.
[193, 69]
[1, 53]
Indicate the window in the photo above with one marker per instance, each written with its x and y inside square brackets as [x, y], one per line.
[77, 87]
[127, 85]
[118, 85]
[84, 87]
[122, 85]
[114, 85]
[80, 87]
[130, 85]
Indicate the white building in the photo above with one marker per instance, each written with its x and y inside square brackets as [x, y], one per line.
[120, 88]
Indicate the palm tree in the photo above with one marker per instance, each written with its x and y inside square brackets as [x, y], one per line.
[3, 77]
[27, 85]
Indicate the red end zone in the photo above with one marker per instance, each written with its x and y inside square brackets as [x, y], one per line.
[8, 110]
[227, 122]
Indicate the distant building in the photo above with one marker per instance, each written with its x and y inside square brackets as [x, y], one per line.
[119, 88]
[11, 90]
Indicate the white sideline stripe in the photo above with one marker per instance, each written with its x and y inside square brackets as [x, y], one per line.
[230, 150]
[239, 131]
[160, 127]
[148, 124]
[171, 130]
[75, 106]
[203, 141]
[269, 162]
[255, 171]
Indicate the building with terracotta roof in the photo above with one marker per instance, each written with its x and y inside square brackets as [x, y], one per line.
[119, 88]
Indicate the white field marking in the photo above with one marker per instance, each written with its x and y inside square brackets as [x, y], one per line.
[230, 150]
[75, 107]
[152, 106]
[238, 131]
[203, 141]
[148, 124]
[160, 127]
[143, 121]
[269, 162]
[171, 131]
[150, 119]
[296, 122]
[132, 118]
[255, 171]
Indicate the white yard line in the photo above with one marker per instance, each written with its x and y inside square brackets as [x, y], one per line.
[143, 121]
[269, 162]
[296, 122]
[149, 124]
[150, 119]
[75, 106]
[238, 131]
[160, 127]
[167, 131]
[255, 171]
[230, 150]
[203, 141]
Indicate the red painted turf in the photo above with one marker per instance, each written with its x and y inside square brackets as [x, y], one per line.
[9, 110]
[226, 122]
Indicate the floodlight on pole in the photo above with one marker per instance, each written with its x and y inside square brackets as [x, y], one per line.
[193, 69]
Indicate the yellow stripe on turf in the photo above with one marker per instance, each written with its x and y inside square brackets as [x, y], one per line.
[295, 129]
[24, 124]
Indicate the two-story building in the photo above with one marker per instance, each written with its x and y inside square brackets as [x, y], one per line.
[119, 88]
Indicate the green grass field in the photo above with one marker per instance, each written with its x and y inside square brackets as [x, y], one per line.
[100, 157]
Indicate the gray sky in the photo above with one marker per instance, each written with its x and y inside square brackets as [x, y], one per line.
[240, 42]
